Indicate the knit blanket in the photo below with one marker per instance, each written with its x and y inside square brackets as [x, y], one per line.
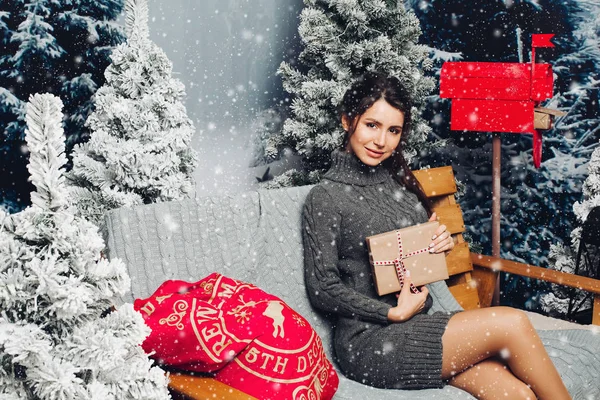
[255, 237]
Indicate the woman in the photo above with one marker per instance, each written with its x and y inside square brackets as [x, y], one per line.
[391, 341]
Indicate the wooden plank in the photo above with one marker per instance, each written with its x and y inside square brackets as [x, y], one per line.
[459, 259]
[487, 69]
[457, 279]
[436, 181]
[452, 217]
[466, 295]
[203, 388]
[442, 201]
[486, 283]
[548, 275]
[596, 311]
[492, 115]
[493, 88]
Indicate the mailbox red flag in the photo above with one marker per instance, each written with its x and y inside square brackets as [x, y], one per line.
[542, 40]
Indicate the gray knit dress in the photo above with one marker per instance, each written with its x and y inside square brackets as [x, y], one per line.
[354, 201]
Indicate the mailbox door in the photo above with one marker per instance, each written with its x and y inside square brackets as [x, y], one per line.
[495, 81]
[492, 115]
[484, 80]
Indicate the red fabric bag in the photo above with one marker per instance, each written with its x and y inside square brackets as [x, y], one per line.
[249, 339]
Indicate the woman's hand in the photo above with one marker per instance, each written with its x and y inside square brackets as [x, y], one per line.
[441, 240]
[409, 303]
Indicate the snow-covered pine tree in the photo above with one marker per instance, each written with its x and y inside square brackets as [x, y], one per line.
[139, 149]
[61, 47]
[564, 257]
[591, 191]
[55, 287]
[344, 39]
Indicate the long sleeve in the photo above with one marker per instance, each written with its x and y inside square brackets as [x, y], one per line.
[321, 235]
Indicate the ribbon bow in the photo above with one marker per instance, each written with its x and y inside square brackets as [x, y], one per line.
[398, 262]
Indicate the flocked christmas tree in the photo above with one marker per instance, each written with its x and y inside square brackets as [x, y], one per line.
[564, 257]
[55, 287]
[72, 39]
[344, 39]
[139, 150]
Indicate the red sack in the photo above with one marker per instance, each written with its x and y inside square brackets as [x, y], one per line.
[249, 339]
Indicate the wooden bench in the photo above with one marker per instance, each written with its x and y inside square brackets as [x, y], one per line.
[472, 279]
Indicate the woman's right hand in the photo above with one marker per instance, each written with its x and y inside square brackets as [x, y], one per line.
[409, 303]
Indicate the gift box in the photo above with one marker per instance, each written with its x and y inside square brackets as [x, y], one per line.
[543, 117]
[392, 253]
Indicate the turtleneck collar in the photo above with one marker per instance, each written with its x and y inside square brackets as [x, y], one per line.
[347, 168]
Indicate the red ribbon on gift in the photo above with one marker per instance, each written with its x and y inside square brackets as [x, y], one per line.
[400, 267]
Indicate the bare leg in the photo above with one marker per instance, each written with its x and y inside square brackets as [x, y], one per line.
[492, 380]
[475, 335]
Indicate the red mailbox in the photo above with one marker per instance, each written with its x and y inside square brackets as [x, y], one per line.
[499, 97]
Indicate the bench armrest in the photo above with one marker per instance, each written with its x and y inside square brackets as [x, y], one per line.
[203, 388]
[494, 265]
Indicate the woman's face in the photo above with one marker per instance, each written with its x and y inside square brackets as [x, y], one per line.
[377, 133]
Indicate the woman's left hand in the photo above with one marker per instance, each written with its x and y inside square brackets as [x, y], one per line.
[442, 240]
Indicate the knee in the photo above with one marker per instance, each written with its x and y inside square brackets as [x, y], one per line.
[515, 320]
[513, 391]
[516, 389]
[523, 392]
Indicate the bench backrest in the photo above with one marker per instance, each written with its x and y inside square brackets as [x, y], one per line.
[254, 237]
[440, 187]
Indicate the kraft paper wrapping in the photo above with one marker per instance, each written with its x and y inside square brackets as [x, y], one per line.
[424, 267]
[542, 121]
[543, 117]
